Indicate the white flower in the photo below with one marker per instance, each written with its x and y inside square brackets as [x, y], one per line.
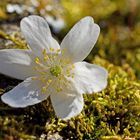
[50, 70]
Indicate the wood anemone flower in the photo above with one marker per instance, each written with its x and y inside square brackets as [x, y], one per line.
[50, 69]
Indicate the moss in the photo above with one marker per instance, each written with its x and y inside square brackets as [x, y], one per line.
[121, 46]
[113, 113]
[17, 42]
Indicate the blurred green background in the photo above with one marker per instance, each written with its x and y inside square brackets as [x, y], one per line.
[117, 49]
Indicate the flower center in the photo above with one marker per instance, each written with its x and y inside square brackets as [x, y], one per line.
[56, 70]
[53, 70]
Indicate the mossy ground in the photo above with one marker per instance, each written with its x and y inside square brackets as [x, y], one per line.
[114, 113]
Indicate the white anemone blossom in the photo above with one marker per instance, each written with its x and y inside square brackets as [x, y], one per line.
[50, 69]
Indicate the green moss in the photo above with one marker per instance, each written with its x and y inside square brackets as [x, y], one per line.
[121, 46]
[111, 114]
[17, 42]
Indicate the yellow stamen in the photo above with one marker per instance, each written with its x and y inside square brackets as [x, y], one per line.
[73, 66]
[51, 49]
[45, 58]
[37, 61]
[44, 52]
[56, 70]
[72, 76]
[59, 89]
[58, 50]
[49, 80]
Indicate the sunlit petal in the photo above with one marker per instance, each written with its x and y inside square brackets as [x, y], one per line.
[17, 63]
[67, 104]
[80, 40]
[89, 78]
[25, 94]
[37, 34]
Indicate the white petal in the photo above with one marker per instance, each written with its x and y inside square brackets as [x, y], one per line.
[25, 94]
[89, 78]
[67, 104]
[16, 63]
[37, 34]
[80, 40]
